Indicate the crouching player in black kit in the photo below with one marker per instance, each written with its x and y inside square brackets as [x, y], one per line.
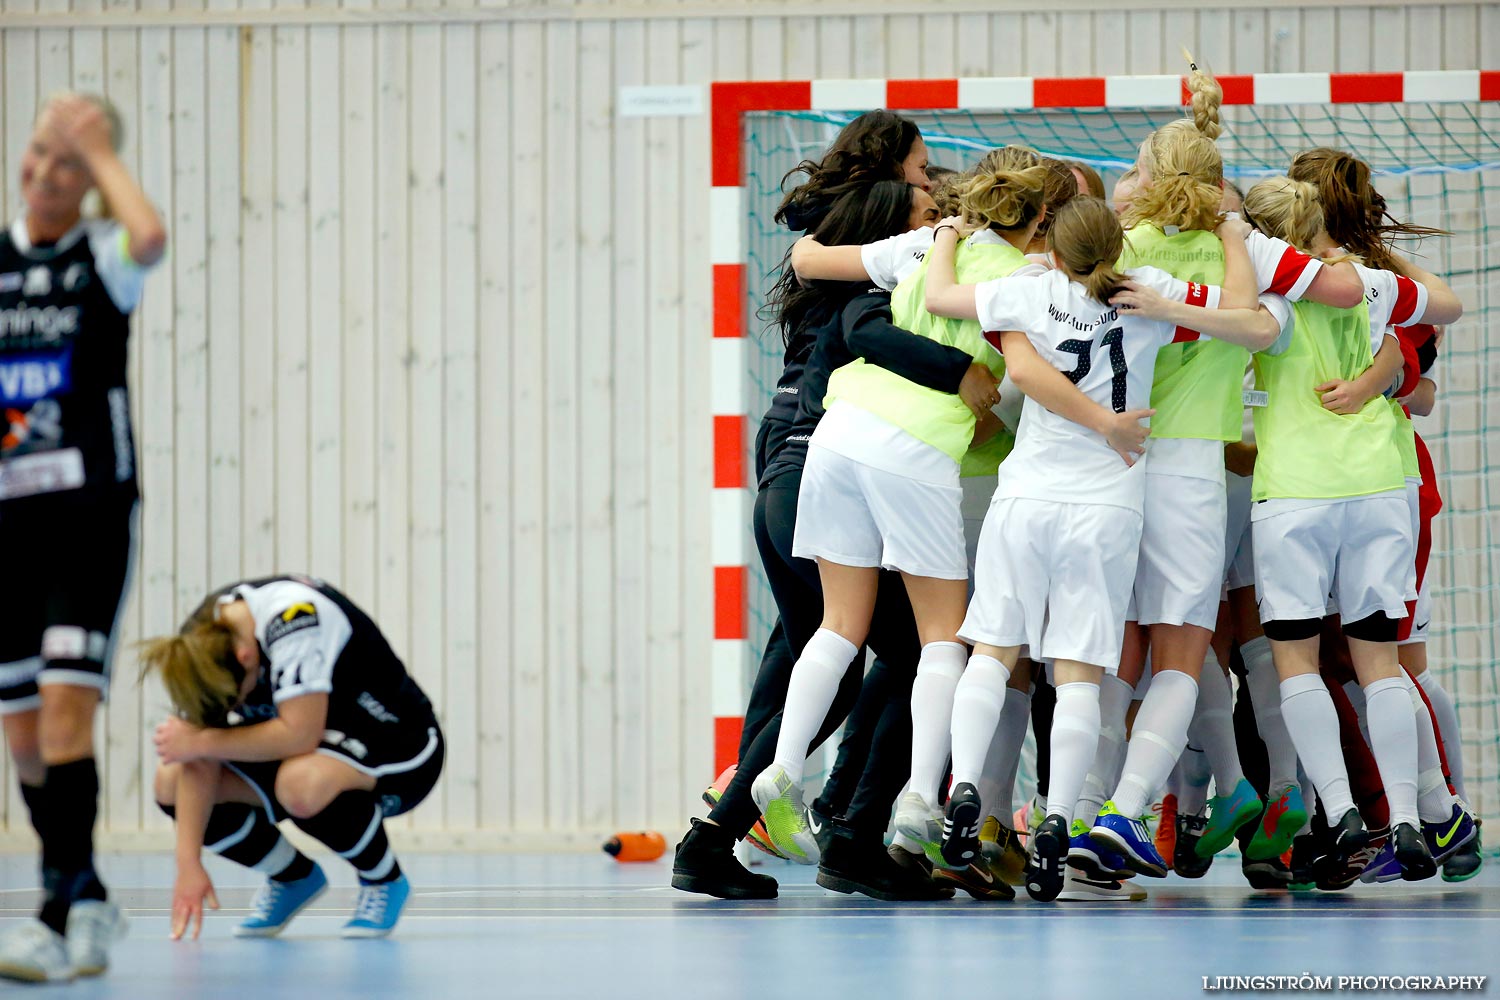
[67, 499]
[291, 704]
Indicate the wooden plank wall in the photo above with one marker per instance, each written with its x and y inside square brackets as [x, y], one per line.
[434, 326]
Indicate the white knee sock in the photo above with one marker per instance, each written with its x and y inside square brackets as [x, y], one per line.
[978, 701]
[1114, 702]
[1265, 696]
[1434, 801]
[1157, 740]
[1005, 756]
[1213, 726]
[1313, 724]
[938, 671]
[1448, 731]
[809, 696]
[1194, 775]
[1075, 739]
[1393, 739]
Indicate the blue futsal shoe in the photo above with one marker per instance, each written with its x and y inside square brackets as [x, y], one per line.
[1445, 838]
[278, 902]
[1097, 863]
[1129, 838]
[378, 908]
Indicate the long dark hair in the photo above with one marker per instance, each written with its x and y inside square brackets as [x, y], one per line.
[863, 215]
[1354, 212]
[870, 148]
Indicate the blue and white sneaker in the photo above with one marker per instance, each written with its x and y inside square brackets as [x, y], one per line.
[1445, 838]
[278, 902]
[378, 908]
[1128, 837]
[1383, 867]
[1098, 864]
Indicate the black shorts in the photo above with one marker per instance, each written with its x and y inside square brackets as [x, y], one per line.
[400, 784]
[68, 559]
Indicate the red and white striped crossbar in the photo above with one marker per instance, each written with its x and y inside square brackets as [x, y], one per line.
[730, 101]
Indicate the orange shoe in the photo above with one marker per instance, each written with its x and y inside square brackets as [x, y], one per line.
[1166, 829]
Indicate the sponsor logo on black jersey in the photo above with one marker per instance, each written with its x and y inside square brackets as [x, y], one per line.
[11, 282]
[38, 282]
[294, 619]
[32, 377]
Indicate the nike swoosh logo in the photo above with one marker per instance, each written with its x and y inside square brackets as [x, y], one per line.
[983, 874]
[1444, 838]
[813, 824]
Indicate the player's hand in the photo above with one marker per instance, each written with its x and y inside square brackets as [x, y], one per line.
[1140, 300]
[1127, 435]
[191, 892]
[176, 741]
[1342, 397]
[954, 222]
[79, 125]
[1233, 228]
[979, 389]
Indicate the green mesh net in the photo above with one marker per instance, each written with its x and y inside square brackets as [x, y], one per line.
[1438, 164]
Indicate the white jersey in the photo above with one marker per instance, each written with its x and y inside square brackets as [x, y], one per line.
[890, 260]
[1110, 357]
[302, 631]
[1394, 300]
[1280, 268]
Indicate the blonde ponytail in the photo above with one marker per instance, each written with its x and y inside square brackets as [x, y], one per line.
[198, 669]
[1289, 210]
[1186, 180]
[1207, 96]
[1088, 240]
[1006, 190]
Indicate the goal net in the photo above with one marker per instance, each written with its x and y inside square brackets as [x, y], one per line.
[1437, 164]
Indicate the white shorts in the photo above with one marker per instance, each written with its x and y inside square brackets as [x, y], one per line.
[1239, 552]
[853, 515]
[1358, 551]
[1181, 570]
[1423, 615]
[978, 492]
[1055, 577]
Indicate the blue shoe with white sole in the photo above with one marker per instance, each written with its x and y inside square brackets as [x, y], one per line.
[278, 902]
[1129, 838]
[378, 908]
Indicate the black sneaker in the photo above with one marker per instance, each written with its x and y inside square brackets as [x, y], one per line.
[705, 863]
[1334, 875]
[1411, 851]
[1307, 849]
[824, 827]
[1266, 874]
[1185, 859]
[1049, 851]
[864, 866]
[962, 819]
[1464, 863]
[1348, 835]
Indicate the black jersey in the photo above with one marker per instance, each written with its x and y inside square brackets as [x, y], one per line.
[314, 640]
[861, 327]
[64, 321]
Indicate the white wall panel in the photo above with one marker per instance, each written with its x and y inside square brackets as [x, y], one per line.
[434, 325]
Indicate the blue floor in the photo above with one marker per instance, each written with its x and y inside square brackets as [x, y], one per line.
[521, 926]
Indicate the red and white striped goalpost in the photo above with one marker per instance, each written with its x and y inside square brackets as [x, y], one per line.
[729, 103]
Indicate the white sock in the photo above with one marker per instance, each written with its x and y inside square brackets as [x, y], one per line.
[1195, 773]
[1448, 731]
[978, 701]
[1265, 697]
[1114, 702]
[1213, 726]
[1005, 755]
[1434, 801]
[1075, 739]
[1313, 724]
[1157, 740]
[809, 696]
[938, 671]
[1393, 739]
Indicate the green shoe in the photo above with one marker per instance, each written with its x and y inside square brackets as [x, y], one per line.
[923, 824]
[1226, 815]
[785, 814]
[1464, 863]
[1283, 817]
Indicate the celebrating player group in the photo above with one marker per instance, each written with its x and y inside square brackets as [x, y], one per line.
[1071, 464]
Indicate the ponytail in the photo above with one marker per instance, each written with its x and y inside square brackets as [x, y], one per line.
[1207, 95]
[1088, 240]
[1006, 190]
[198, 668]
[1288, 210]
[1354, 211]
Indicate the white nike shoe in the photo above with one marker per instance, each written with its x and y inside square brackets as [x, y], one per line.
[1079, 888]
[34, 953]
[786, 815]
[923, 824]
[93, 925]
